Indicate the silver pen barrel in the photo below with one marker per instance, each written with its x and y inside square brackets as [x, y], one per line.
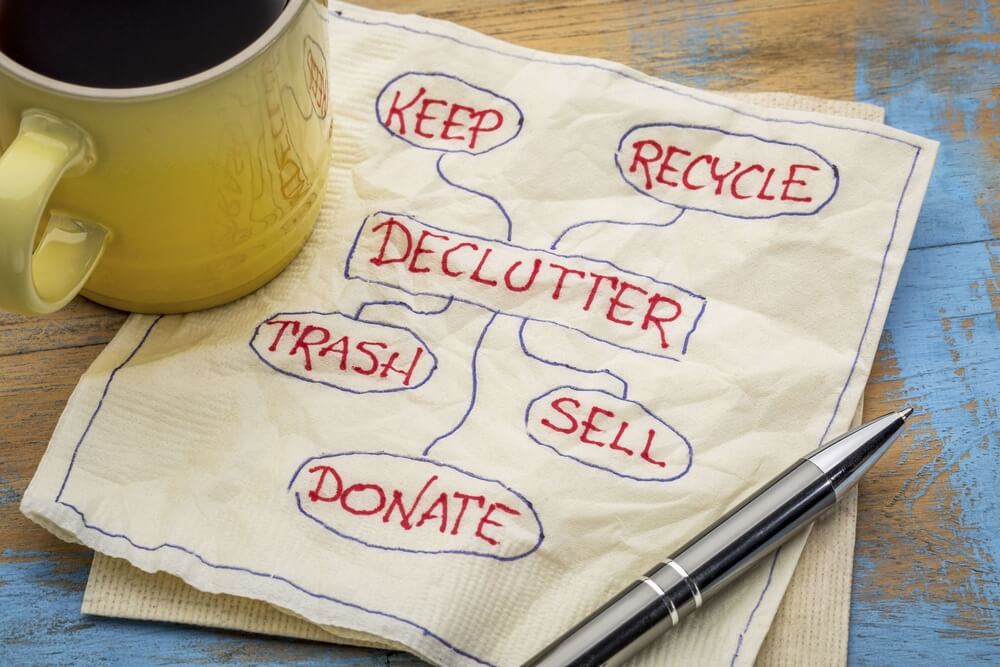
[722, 552]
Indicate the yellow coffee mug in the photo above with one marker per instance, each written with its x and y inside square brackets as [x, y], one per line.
[169, 197]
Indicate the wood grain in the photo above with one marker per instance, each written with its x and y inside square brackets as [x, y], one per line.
[926, 581]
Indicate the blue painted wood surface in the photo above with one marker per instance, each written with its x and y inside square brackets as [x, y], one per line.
[927, 582]
[941, 354]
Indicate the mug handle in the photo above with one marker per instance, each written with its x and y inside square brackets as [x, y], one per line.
[42, 278]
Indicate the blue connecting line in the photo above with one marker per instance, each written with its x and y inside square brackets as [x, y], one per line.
[614, 222]
[496, 202]
[361, 308]
[475, 388]
[527, 353]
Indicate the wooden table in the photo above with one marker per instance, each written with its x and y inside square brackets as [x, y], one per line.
[929, 523]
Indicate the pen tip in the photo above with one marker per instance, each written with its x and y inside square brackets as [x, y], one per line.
[905, 412]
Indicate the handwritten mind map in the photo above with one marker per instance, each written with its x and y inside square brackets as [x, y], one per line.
[609, 367]
[425, 505]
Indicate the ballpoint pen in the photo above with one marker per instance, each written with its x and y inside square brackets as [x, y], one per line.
[682, 583]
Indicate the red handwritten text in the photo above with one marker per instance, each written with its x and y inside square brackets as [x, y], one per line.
[603, 431]
[442, 112]
[439, 508]
[334, 349]
[603, 301]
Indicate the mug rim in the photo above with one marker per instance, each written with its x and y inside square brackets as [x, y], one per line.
[255, 48]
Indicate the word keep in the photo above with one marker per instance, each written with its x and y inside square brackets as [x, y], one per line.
[437, 118]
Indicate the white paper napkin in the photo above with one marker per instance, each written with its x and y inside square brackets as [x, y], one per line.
[556, 317]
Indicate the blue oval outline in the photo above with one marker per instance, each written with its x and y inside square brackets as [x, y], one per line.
[719, 130]
[463, 552]
[371, 281]
[378, 113]
[267, 363]
[687, 444]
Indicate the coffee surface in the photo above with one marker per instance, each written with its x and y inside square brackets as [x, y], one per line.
[129, 43]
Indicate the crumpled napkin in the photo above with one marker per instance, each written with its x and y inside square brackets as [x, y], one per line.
[556, 317]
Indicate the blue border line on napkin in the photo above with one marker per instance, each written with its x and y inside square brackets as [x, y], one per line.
[684, 92]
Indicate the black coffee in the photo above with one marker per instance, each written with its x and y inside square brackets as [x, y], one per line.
[129, 43]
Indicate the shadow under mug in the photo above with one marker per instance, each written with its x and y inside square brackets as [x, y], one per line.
[170, 197]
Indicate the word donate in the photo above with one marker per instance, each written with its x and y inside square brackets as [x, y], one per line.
[441, 112]
[594, 297]
[344, 353]
[602, 431]
[399, 503]
[737, 175]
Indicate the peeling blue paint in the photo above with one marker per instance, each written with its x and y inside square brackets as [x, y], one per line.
[876, 636]
[943, 332]
[710, 34]
[8, 494]
[926, 90]
[41, 624]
